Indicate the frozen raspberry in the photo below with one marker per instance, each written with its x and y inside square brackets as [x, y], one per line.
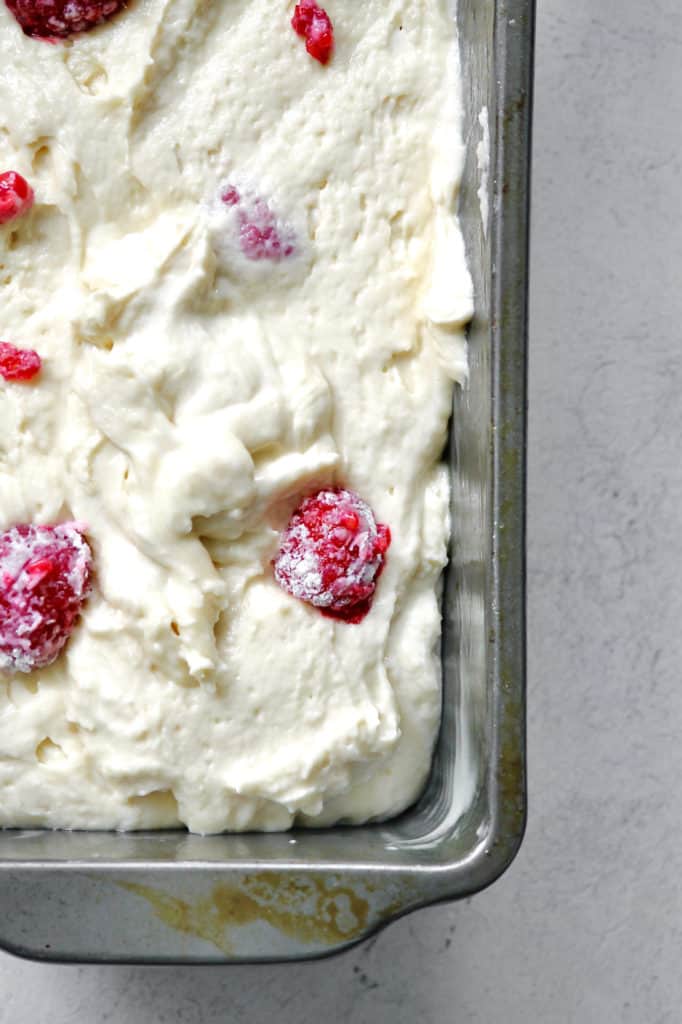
[332, 554]
[45, 576]
[261, 235]
[16, 196]
[18, 363]
[230, 196]
[314, 24]
[59, 19]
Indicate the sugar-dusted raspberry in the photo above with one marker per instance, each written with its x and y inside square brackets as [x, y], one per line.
[16, 196]
[45, 574]
[230, 195]
[262, 236]
[332, 554]
[314, 24]
[18, 363]
[59, 19]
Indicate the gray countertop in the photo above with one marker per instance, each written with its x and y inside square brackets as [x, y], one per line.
[586, 925]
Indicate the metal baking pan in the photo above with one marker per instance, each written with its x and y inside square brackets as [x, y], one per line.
[164, 897]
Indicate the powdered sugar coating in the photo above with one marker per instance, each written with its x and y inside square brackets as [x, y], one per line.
[45, 574]
[332, 553]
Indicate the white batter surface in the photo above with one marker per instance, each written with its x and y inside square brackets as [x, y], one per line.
[191, 396]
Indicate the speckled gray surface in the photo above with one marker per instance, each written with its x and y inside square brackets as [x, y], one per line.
[586, 926]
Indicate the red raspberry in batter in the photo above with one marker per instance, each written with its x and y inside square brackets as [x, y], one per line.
[230, 195]
[332, 554]
[314, 24]
[16, 196]
[59, 19]
[261, 235]
[45, 574]
[18, 363]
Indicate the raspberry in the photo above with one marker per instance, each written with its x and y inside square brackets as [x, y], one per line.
[18, 363]
[230, 196]
[16, 196]
[45, 576]
[261, 236]
[314, 24]
[59, 19]
[332, 554]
